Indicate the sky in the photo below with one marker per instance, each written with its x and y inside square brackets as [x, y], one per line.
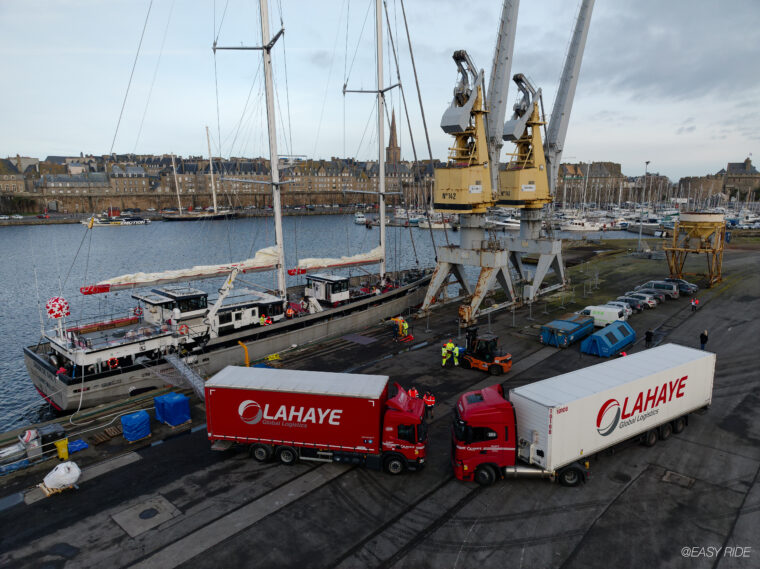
[675, 83]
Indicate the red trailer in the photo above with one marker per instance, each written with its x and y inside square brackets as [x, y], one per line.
[319, 416]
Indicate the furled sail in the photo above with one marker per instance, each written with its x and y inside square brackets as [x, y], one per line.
[264, 260]
[374, 256]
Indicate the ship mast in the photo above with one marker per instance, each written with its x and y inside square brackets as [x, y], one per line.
[276, 207]
[380, 129]
[211, 168]
[176, 184]
[265, 48]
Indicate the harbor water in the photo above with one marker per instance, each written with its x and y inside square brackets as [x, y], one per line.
[43, 261]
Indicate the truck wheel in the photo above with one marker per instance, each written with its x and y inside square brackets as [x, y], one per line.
[394, 465]
[665, 431]
[262, 453]
[465, 363]
[679, 425]
[287, 455]
[485, 475]
[494, 369]
[570, 476]
[650, 438]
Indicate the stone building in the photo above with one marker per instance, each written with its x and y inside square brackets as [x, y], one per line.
[11, 179]
[598, 182]
[739, 179]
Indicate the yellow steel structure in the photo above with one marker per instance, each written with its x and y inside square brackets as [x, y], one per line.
[698, 233]
[464, 186]
[524, 183]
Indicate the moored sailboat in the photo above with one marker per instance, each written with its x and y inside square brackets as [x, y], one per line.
[86, 363]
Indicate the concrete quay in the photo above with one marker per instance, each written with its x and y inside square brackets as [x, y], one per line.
[172, 502]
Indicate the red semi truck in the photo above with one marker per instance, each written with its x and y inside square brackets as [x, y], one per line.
[307, 415]
[550, 428]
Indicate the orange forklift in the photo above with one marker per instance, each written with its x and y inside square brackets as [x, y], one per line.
[482, 352]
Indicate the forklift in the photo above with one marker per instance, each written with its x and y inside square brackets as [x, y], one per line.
[482, 352]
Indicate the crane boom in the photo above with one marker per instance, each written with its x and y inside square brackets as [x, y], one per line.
[498, 86]
[563, 103]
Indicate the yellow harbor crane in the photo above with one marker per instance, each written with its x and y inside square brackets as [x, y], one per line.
[471, 182]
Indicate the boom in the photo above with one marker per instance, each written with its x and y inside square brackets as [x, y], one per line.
[563, 103]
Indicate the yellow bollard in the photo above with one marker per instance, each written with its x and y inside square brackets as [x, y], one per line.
[63, 448]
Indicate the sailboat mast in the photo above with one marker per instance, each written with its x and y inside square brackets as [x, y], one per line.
[380, 129]
[211, 168]
[276, 206]
[176, 184]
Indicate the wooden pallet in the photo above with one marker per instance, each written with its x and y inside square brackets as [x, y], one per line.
[105, 436]
[50, 491]
[138, 440]
[180, 426]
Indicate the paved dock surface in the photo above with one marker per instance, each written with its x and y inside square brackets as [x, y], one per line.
[178, 504]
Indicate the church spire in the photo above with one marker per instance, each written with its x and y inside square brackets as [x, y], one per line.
[392, 151]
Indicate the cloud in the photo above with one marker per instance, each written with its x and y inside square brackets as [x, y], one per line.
[320, 58]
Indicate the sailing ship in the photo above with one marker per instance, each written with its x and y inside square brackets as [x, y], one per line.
[173, 325]
[212, 215]
[115, 221]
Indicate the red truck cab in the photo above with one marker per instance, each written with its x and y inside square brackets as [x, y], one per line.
[483, 435]
[404, 433]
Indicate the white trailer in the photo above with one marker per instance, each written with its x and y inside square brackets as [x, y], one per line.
[549, 428]
[563, 419]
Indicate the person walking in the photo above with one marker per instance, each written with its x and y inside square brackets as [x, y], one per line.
[413, 393]
[648, 336]
[429, 400]
[703, 339]
[404, 328]
[693, 304]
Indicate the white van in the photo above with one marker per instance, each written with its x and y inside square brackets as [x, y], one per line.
[604, 315]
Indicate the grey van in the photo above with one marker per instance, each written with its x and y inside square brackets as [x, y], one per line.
[669, 289]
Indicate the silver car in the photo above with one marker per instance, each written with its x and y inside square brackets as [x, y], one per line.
[624, 305]
[647, 299]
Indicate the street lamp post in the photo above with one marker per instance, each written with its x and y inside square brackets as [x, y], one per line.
[643, 193]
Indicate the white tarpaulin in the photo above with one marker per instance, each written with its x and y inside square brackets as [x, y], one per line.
[63, 475]
[374, 256]
[265, 259]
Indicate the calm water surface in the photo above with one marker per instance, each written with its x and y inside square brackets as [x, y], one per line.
[41, 261]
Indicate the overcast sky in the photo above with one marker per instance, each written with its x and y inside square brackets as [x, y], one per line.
[676, 83]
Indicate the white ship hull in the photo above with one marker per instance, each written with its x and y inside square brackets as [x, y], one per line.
[64, 393]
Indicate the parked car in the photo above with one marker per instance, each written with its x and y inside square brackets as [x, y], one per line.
[658, 294]
[624, 305]
[151, 209]
[637, 305]
[684, 287]
[17, 216]
[669, 289]
[650, 301]
[5, 216]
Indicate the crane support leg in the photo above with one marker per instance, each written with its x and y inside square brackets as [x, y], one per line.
[468, 313]
[549, 253]
[440, 277]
